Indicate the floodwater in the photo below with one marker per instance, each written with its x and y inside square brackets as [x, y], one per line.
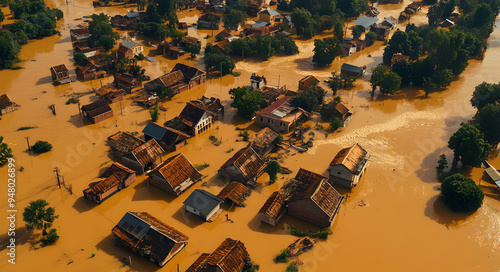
[392, 221]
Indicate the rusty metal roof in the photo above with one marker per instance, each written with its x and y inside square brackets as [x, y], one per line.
[5, 101]
[341, 108]
[147, 152]
[177, 169]
[114, 175]
[274, 205]
[247, 161]
[96, 108]
[231, 255]
[353, 158]
[60, 68]
[236, 192]
[264, 138]
[124, 142]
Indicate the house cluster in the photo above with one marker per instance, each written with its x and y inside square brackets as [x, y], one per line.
[180, 78]
[129, 21]
[383, 29]
[410, 10]
[311, 197]
[178, 47]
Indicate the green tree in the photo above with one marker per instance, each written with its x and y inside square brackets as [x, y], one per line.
[388, 81]
[51, 237]
[141, 4]
[335, 123]
[357, 31]
[429, 86]
[443, 78]
[484, 94]
[338, 30]
[38, 216]
[469, 146]
[5, 152]
[79, 57]
[461, 194]
[9, 50]
[403, 69]
[2, 16]
[41, 147]
[107, 41]
[340, 81]
[234, 18]
[102, 32]
[154, 113]
[488, 119]
[305, 24]
[442, 163]
[272, 169]
[326, 50]
[215, 60]
[370, 38]
[483, 15]
[352, 8]
[164, 92]
[309, 100]
[246, 101]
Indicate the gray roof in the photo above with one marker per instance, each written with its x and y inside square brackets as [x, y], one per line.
[391, 20]
[272, 12]
[203, 201]
[134, 223]
[128, 44]
[132, 15]
[365, 21]
[351, 68]
[259, 24]
[154, 130]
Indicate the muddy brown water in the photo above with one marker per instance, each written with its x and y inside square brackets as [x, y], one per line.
[403, 225]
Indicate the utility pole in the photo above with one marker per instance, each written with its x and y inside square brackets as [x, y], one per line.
[58, 179]
[28, 141]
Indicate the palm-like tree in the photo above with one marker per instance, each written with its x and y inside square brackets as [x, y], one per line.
[5, 152]
[37, 216]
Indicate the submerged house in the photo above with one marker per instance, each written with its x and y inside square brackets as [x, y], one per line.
[257, 82]
[351, 70]
[144, 157]
[173, 80]
[192, 75]
[124, 53]
[135, 47]
[116, 178]
[92, 67]
[268, 15]
[281, 115]
[97, 111]
[273, 210]
[175, 175]
[110, 95]
[230, 256]
[366, 22]
[209, 21]
[235, 193]
[195, 118]
[149, 237]
[127, 82]
[6, 105]
[311, 198]
[351, 46]
[308, 83]
[244, 166]
[343, 113]
[264, 141]
[169, 138]
[79, 34]
[204, 205]
[60, 74]
[348, 166]
[122, 143]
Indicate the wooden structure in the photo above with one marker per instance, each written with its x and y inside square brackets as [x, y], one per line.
[204, 205]
[6, 105]
[144, 157]
[244, 166]
[348, 166]
[273, 210]
[60, 74]
[312, 199]
[307, 83]
[92, 68]
[149, 237]
[97, 111]
[343, 113]
[264, 142]
[116, 178]
[230, 256]
[122, 143]
[79, 34]
[127, 82]
[235, 192]
[197, 116]
[175, 175]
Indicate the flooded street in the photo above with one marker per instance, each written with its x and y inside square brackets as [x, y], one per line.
[402, 227]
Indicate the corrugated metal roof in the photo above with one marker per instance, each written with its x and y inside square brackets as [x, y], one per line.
[203, 201]
[154, 130]
[365, 21]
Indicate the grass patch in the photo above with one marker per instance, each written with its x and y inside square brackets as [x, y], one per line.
[292, 268]
[27, 127]
[200, 167]
[230, 150]
[255, 267]
[321, 234]
[73, 100]
[235, 74]
[283, 256]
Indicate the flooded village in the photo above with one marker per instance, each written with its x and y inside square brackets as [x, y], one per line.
[217, 140]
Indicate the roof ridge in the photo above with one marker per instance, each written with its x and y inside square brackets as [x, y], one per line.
[348, 153]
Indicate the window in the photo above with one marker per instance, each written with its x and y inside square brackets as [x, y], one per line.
[137, 229]
[125, 225]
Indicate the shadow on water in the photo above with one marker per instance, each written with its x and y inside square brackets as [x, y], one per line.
[111, 246]
[283, 227]
[44, 80]
[23, 236]
[437, 211]
[144, 192]
[83, 205]
[189, 219]
[427, 171]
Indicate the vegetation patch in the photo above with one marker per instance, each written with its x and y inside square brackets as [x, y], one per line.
[200, 167]
[321, 234]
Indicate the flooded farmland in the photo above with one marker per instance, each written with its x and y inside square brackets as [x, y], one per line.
[392, 221]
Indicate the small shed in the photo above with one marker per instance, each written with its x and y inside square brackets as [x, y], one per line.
[6, 105]
[351, 70]
[273, 210]
[175, 175]
[60, 74]
[343, 113]
[308, 83]
[348, 166]
[204, 204]
[97, 111]
[235, 193]
[116, 178]
[144, 157]
[127, 82]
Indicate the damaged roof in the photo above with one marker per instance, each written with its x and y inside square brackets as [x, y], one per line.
[5, 101]
[236, 192]
[147, 152]
[264, 138]
[274, 205]
[96, 108]
[353, 158]
[230, 256]
[113, 176]
[176, 170]
[247, 161]
[124, 142]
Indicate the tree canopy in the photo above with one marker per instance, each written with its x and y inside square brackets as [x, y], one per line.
[326, 50]
[309, 100]
[5, 152]
[234, 18]
[38, 216]
[484, 94]
[469, 146]
[461, 194]
[488, 119]
[272, 169]
[246, 101]
[388, 81]
[9, 50]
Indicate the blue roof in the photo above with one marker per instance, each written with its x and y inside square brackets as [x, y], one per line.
[132, 15]
[154, 130]
[351, 68]
[134, 223]
[203, 201]
[365, 21]
[259, 24]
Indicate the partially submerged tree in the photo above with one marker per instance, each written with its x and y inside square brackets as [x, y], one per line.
[5, 152]
[469, 146]
[41, 147]
[272, 169]
[38, 216]
[234, 18]
[461, 194]
[388, 81]
[326, 50]
[154, 113]
[246, 101]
